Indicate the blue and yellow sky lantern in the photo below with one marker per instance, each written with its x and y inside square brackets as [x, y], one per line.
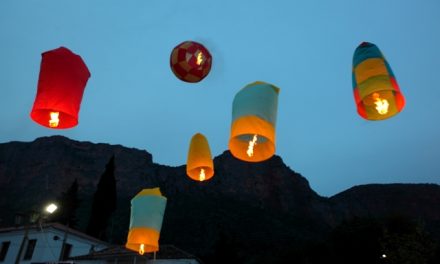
[254, 114]
[376, 92]
[147, 211]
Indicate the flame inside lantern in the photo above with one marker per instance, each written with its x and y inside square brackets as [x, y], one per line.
[252, 143]
[141, 249]
[202, 176]
[199, 58]
[54, 119]
[381, 104]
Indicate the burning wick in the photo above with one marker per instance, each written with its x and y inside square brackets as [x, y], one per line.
[252, 143]
[381, 104]
[141, 249]
[54, 120]
[202, 175]
[199, 58]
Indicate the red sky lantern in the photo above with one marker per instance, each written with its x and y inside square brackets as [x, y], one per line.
[190, 61]
[63, 78]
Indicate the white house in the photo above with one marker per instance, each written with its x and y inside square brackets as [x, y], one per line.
[46, 243]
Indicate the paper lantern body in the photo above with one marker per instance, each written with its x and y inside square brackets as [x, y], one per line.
[376, 92]
[147, 211]
[199, 158]
[254, 113]
[190, 61]
[63, 78]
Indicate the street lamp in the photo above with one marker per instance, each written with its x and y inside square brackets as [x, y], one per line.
[35, 217]
[51, 208]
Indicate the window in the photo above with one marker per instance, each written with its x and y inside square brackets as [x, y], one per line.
[65, 251]
[4, 250]
[30, 249]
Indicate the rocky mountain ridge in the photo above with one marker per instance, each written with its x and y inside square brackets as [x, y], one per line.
[254, 205]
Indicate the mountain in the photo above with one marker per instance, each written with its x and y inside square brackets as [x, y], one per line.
[420, 202]
[245, 209]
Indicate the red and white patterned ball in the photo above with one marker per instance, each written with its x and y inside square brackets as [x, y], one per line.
[190, 61]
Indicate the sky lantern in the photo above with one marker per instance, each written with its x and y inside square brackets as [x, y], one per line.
[376, 92]
[63, 78]
[199, 166]
[254, 113]
[190, 61]
[147, 210]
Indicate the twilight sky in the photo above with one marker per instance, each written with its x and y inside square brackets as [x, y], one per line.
[303, 47]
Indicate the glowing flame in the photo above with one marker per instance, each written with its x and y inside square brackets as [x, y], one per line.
[54, 120]
[141, 249]
[202, 176]
[252, 143]
[199, 58]
[381, 104]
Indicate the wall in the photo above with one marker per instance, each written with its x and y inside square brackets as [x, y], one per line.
[48, 245]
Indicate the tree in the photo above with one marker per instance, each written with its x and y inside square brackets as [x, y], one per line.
[356, 241]
[225, 249]
[68, 204]
[104, 202]
[406, 242]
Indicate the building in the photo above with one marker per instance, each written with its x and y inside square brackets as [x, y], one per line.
[45, 243]
[168, 254]
[54, 243]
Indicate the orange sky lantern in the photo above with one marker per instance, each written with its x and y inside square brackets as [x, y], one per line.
[63, 78]
[199, 165]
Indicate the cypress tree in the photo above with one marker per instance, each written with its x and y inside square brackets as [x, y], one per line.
[68, 204]
[104, 202]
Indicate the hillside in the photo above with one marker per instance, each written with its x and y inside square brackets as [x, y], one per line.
[252, 206]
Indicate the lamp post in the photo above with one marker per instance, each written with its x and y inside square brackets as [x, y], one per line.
[63, 245]
[32, 218]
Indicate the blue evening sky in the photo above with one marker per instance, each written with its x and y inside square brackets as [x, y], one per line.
[303, 47]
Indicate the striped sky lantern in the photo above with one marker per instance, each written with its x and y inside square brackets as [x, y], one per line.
[199, 165]
[63, 78]
[376, 92]
[254, 113]
[147, 210]
[190, 61]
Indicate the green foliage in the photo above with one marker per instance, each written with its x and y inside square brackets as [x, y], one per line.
[225, 250]
[392, 240]
[68, 204]
[104, 202]
[356, 241]
[405, 242]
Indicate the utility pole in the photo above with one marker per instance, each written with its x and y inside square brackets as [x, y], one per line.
[63, 246]
[23, 242]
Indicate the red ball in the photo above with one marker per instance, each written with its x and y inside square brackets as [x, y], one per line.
[190, 61]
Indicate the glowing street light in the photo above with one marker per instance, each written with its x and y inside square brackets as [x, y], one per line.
[37, 217]
[51, 208]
